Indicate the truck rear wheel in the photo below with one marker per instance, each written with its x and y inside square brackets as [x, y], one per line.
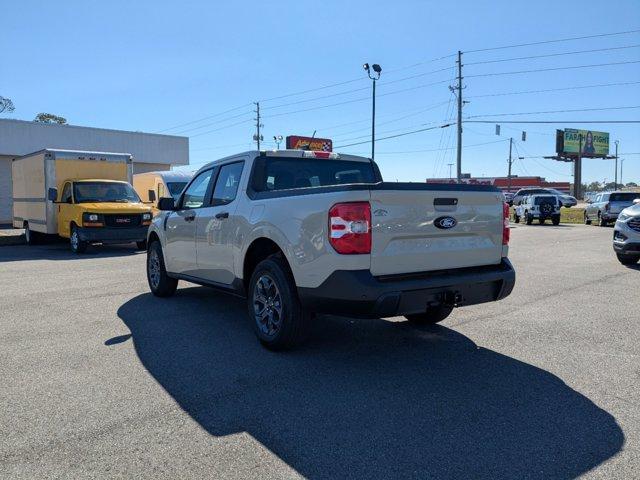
[432, 316]
[30, 237]
[279, 320]
[555, 220]
[160, 284]
[77, 245]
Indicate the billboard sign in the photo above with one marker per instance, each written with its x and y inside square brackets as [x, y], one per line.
[592, 143]
[297, 142]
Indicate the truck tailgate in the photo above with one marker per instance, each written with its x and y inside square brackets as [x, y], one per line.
[407, 240]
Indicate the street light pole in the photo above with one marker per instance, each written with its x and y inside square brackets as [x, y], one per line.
[374, 78]
[450, 165]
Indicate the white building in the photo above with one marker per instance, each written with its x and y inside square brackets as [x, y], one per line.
[150, 151]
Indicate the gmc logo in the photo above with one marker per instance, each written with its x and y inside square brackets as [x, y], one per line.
[123, 220]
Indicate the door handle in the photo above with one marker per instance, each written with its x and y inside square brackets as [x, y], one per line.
[190, 217]
[222, 215]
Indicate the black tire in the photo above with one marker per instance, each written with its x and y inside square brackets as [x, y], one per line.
[541, 220]
[601, 221]
[142, 245]
[432, 316]
[160, 284]
[77, 245]
[627, 259]
[586, 219]
[30, 237]
[529, 218]
[516, 218]
[556, 220]
[278, 318]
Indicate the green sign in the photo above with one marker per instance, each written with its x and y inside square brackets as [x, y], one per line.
[592, 143]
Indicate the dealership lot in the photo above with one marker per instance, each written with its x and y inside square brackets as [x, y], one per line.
[102, 379]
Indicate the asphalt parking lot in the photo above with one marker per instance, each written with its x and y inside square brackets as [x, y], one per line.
[100, 379]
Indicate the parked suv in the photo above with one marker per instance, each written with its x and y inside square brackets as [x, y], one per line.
[566, 200]
[626, 235]
[303, 232]
[541, 207]
[606, 207]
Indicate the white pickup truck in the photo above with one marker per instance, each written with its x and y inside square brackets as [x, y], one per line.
[300, 232]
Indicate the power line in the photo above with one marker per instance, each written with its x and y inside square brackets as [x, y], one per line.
[221, 128]
[397, 135]
[554, 121]
[573, 67]
[361, 99]
[205, 118]
[551, 55]
[214, 123]
[579, 87]
[552, 111]
[441, 149]
[516, 143]
[324, 87]
[431, 107]
[552, 41]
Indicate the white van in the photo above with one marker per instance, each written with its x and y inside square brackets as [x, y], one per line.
[152, 186]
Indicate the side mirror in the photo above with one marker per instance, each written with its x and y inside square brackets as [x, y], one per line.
[152, 196]
[166, 204]
[52, 194]
[636, 201]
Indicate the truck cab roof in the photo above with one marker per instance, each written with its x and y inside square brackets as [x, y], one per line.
[290, 153]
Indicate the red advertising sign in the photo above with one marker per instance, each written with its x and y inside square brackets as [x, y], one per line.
[297, 142]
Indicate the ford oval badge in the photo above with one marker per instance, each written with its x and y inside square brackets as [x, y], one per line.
[445, 222]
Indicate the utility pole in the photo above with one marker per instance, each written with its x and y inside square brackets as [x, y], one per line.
[459, 88]
[621, 165]
[616, 175]
[257, 137]
[510, 163]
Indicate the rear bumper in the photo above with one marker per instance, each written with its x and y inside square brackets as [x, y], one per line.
[358, 293]
[113, 235]
[543, 215]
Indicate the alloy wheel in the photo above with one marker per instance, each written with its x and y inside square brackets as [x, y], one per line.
[267, 305]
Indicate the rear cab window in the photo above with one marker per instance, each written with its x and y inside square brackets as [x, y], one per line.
[624, 197]
[286, 173]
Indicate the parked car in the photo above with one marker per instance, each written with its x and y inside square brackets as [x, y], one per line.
[566, 200]
[303, 232]
[606, 207]
[540, 207]
[626, 235]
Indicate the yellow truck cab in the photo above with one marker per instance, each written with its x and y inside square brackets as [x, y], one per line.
[104, 211]
[86, 197]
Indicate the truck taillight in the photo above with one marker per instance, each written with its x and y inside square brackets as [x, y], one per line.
[506, 231]
[350, 228]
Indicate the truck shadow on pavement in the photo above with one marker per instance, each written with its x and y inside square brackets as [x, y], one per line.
[368, 398]
[61, 251]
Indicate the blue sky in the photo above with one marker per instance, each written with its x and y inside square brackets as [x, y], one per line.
[150, 66]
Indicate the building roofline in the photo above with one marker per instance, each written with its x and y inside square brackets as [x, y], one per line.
[65, 150]
[29, 122]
